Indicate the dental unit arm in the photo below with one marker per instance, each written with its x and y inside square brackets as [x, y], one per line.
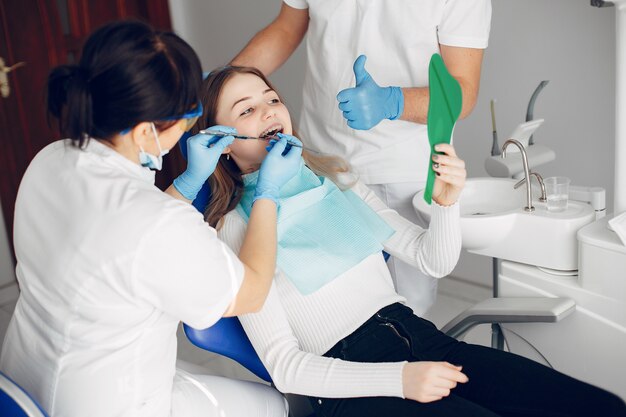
[513, 166]
[510, 310]
[595, 196]
[531, 106]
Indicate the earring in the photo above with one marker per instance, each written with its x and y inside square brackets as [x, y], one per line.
[228, 157]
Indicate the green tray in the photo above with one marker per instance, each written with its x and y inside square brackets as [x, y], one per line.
[444, 108]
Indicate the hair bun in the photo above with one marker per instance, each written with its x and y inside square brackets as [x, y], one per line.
[78, 75]
[128, 73]
[68, 87]
[63, 77]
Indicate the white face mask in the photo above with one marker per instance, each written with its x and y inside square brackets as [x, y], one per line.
[147, 159]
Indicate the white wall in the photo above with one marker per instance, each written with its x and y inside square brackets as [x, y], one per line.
[219, 29]
[567, 42]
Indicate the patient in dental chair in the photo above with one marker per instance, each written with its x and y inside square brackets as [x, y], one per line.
[333, 328]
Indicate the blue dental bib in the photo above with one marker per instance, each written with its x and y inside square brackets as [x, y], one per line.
[322, 231]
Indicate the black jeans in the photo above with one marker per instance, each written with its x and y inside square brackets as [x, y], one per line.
[500, 383]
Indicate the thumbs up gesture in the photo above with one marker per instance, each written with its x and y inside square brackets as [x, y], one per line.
[366, 104]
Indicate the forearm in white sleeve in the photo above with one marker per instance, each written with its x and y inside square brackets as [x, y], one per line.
[434, 251]
[299, 372]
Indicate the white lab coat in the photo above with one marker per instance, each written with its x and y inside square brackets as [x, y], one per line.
[107, 266]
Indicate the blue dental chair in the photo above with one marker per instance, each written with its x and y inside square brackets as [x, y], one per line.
[15, 402]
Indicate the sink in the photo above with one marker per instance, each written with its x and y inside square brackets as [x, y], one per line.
[494, 223]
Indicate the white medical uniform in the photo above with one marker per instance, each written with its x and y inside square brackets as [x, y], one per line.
[398, 37]
[107, 266]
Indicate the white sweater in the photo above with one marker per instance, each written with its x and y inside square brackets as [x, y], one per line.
[292, 330]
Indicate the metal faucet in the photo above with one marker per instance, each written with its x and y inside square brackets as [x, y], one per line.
[529, 206]
[542, 198]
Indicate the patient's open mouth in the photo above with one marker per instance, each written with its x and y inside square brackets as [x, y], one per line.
[271, 131]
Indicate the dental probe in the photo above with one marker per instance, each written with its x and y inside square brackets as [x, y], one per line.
[244, 137]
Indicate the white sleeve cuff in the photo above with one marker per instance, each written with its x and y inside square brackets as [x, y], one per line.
[445, 219]
[297, 4]
[463, 41]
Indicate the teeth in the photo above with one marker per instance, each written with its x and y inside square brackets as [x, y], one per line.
[271, 130]
[267, 132]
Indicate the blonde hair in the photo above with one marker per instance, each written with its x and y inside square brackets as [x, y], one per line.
[226, 182]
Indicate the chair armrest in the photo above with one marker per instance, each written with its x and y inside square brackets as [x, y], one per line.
[510, 310]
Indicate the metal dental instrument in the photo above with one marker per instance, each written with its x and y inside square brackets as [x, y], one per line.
[244, 137]
[495, 148]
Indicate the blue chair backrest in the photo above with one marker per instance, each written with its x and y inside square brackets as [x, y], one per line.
[15, 402]
[226, 337]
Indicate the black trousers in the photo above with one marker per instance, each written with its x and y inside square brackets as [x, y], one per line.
[500, 383]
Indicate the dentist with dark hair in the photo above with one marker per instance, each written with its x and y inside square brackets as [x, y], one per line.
[108, 265]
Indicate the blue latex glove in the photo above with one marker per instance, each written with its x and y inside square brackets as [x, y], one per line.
[203, 152]
[280, 165]
[366, 104]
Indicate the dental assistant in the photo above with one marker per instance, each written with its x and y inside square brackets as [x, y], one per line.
[380, 125]
[108, 265]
